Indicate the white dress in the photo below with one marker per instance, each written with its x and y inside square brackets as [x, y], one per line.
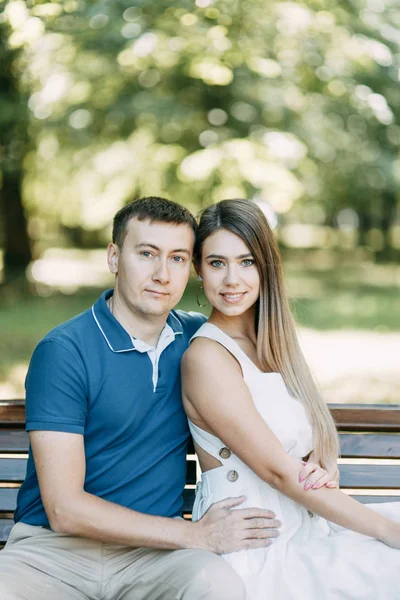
[312, 559]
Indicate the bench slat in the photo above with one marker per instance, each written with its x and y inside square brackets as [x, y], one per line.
[5, 528]
[12, 411]
[363, 417]
[377, 499]
[355, 417]
[367, 445]
[353, 476]
[13, 440]
[370, 476]
[383, 445]
[8, 499]
[12, 469]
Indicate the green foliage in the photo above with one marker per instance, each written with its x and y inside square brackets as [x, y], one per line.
[295, 103]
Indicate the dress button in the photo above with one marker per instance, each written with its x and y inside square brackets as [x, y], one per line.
[312, 515]
[225, 453]
[232, 476]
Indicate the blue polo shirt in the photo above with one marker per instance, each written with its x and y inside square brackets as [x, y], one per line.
[87, 377]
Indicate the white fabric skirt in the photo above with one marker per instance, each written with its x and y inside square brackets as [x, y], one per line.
[312, 559]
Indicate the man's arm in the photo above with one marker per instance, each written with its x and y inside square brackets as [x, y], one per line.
[60, 465]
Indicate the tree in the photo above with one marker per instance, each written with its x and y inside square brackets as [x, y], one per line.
[293, 102]
[13, 142]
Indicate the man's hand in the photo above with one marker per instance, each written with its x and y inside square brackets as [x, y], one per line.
[223, 530]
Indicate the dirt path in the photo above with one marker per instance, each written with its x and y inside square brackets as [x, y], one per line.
[355, 366]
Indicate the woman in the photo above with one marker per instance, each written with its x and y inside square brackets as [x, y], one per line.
[255, 415]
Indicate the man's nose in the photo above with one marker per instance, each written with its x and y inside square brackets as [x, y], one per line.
[161, 273]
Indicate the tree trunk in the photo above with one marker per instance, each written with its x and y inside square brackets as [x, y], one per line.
[17, 251]
[388, 216]
[364, 226]
[13, 144]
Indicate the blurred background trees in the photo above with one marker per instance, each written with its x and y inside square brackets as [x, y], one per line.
[292, 103]
[295, 105]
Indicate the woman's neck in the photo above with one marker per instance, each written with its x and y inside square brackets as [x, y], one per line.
[241, 326]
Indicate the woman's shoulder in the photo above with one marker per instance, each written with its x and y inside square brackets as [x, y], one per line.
[200, 347]
[206, 354]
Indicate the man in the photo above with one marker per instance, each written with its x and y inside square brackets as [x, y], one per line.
[96, 514]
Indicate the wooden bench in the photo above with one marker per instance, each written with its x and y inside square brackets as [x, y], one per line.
[369, 463]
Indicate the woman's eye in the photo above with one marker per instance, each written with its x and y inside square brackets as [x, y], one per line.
[248, 262]
[178, 259]
[145, 254]
[217, 263]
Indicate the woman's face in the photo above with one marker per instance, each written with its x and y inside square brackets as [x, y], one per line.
[230, 277]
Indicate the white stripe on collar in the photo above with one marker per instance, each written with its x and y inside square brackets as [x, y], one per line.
[106, 338]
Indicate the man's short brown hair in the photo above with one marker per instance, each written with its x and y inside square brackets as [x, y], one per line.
[153, 209]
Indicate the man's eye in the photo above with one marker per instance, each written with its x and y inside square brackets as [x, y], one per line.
[178, 259]
[145, 253]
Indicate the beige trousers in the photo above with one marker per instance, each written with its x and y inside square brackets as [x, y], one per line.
[39, 564]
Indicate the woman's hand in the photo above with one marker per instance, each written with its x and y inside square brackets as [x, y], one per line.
[315, 477]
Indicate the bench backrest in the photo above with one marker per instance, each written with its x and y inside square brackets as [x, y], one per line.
[369, 463]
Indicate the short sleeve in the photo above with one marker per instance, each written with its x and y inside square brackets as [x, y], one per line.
[56, 389]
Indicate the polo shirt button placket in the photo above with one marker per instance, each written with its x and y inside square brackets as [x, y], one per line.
[156, 372]
[154, 363]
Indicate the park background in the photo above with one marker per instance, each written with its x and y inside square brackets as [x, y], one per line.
[294, 105]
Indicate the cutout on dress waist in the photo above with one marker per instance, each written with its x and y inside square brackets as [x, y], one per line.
[206, 456]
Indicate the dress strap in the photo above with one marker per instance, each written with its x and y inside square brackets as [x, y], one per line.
[210, 443]
[205, 440]
[208, 330]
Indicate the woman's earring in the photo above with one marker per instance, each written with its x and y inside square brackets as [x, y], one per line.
[201, 289]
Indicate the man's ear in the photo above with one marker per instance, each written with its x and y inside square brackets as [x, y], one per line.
[113, 258]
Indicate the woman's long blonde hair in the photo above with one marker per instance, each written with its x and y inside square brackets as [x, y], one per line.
[277, 344]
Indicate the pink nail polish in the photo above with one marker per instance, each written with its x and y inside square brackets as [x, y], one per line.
[307, 486]
[316, 486]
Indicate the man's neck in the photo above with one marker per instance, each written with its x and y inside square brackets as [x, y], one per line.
[143, 327]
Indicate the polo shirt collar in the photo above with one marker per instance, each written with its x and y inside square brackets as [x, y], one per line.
[117, 338]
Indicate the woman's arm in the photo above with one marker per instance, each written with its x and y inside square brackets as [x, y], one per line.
[216, 397]
[315, 476]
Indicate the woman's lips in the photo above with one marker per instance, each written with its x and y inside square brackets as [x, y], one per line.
[233, 298]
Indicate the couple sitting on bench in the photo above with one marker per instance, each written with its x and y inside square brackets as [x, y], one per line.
[98, 515]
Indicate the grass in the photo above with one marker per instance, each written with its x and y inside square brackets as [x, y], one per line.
[344, 299]
[324, 297]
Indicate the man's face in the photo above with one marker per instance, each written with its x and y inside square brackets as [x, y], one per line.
[153, 266]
